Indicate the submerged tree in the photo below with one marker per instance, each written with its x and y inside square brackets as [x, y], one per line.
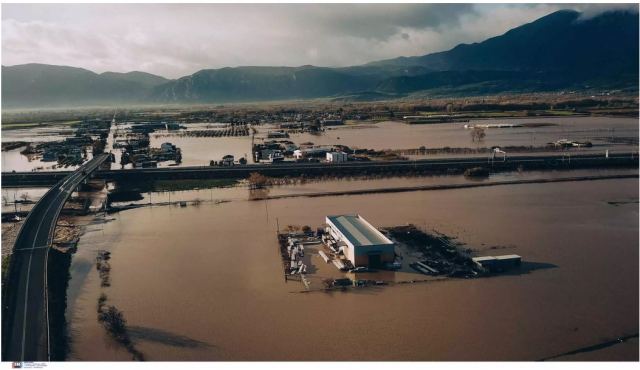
[257, 180]
[113, 320]
[477, 134]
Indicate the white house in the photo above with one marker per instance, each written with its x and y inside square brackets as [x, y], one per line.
[336, 157]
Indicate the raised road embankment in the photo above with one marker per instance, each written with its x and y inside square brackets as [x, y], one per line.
[441, 165]
[25, 318]
[441, 187]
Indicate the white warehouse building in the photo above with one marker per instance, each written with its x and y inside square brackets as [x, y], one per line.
[362, 243]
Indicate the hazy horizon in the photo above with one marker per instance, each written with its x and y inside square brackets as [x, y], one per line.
[174, 40]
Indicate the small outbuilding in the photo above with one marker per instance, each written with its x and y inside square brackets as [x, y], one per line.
[498, 263]
[336, 157]
[227, 160]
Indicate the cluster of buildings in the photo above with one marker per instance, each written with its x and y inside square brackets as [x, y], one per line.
[144, 157]
[69, 151]
[134, 142]
[272, 151]
[166, 152]
[89, 136]
[276, 151]
[131, 141]
[362, 245]
[328, 153]
[228, 160]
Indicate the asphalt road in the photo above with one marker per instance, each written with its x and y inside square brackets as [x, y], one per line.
[371, 164]
[242, 171]
[26, 335]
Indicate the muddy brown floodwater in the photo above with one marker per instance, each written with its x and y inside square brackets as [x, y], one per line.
[205, 282]
[601, 131]
[606, 133]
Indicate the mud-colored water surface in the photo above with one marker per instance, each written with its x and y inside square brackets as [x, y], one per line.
[205, 282]
[606, 133]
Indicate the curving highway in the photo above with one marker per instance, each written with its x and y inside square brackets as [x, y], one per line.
[25, 325]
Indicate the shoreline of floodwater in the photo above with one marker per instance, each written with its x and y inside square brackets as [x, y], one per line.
[442, 187]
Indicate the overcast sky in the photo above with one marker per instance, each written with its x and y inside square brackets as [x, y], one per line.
[174, 40]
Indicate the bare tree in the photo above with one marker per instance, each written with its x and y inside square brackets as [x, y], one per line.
[257, 180]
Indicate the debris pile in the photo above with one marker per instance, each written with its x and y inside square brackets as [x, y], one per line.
[440, 254]
[66, 235]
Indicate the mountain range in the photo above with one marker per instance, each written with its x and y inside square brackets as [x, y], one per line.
[558, 51]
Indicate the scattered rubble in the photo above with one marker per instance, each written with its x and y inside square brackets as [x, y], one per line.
[440, 254]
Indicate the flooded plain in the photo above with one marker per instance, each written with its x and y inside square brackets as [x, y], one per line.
[199, 151]
[240, 190]
[205, 282]
[614, 134]
[601, 131]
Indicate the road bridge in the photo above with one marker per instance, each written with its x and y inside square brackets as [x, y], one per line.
[25, 319]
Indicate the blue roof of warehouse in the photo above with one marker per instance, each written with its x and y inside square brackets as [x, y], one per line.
[358, 232]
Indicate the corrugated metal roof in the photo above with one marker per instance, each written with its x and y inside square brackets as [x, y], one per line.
[358, 231]
[508, 257]
[483, 258]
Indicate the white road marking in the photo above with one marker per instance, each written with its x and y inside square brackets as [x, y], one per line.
[35, 239]
[30, 249]
[26, 297]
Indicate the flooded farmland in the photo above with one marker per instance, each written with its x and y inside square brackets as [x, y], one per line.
[398, 135]
[199, 151]
[205, 282]
[614, 134]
